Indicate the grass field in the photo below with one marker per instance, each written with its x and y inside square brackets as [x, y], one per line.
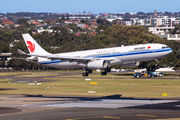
[126, 85]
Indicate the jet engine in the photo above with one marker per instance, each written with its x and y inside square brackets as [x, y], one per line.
[133, 64]
[98, 64]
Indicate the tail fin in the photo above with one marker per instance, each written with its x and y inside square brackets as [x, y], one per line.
[33, 46]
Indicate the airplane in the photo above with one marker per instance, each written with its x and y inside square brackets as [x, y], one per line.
[126, 56]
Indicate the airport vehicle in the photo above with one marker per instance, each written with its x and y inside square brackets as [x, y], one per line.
[127, 56]
[137, 75]
[145, 74]
[152, 74]
[159, 74]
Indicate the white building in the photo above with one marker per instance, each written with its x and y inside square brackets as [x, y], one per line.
[163, 21]
[175, 22]
[111, 19]
[127, 23]
[160, 30]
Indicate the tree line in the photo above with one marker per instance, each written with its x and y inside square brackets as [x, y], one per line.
[63, 40]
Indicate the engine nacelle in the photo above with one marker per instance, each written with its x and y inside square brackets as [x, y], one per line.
[134, 64]
[98, 64]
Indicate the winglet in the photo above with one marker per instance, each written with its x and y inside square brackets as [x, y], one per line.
[21, 52]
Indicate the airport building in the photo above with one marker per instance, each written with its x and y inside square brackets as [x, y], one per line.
[4, 57]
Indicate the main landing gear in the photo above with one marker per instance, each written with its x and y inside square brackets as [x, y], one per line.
[105, 71]
[89, 71]
[85, 74]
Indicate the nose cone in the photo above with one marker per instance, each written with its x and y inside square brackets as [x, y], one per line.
[171, 50]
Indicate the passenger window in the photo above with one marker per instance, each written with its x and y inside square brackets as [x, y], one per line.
[165, 47]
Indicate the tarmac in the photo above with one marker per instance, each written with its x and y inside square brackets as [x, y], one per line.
[46, 107]
[29, 107]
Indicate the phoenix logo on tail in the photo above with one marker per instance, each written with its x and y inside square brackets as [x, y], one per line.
[31, 46]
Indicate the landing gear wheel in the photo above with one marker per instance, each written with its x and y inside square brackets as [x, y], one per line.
[89, 71]
[103, 73]
[108, 70]
[84, 74]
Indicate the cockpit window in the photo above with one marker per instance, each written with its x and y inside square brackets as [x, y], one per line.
[165, 47]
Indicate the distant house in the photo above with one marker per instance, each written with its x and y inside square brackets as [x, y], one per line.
[49, 21]
[44, 25]
[81, 25]
[38, 31]
[7, 21]
[35, 22]
[87, 26]
[59, 24]
[72, 21]
[31, 21]
[16, 25]
[93, 33]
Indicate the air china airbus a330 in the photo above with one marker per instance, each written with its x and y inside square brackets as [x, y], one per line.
[126, 56]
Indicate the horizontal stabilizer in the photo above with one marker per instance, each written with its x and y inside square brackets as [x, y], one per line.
[30, 59]
[21, 52]
[18, 58]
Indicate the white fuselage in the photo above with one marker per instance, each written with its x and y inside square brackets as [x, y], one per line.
[118, 55]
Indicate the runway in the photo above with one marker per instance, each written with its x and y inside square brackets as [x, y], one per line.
[28, 107]
[58, 107]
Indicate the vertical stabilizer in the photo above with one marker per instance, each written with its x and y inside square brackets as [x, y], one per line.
[33, 46]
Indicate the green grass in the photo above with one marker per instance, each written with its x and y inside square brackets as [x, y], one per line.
[36, 75]
[13, 73]
[126, 87]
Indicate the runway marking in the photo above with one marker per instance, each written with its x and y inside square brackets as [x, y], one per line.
[111, 117]
[146, 115]
[93, 83]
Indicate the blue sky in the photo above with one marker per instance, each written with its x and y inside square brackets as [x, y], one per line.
[93, 6]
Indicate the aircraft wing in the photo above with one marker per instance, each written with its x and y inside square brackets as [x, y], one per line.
[70, 59]
[63, 58]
